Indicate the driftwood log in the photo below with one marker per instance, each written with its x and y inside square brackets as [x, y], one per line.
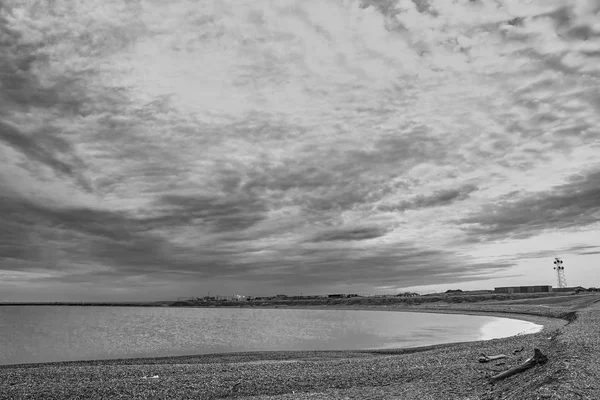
[484, 358]
[537, 359]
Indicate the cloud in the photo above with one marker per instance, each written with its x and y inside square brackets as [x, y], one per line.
[570, 205]
[364, 233]
[583, 250]
[439, 198]
[335, 145]
[220, 214]
[46, 149]
[20, 85]
[85, 245]
[384, 265]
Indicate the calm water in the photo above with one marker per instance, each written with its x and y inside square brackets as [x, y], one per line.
[49, 333]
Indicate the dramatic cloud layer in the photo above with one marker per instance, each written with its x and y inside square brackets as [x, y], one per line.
[154, 149]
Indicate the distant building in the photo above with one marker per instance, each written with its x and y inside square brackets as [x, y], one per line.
[524, 289]
[570, 289]
[336, 296]
[281, 296]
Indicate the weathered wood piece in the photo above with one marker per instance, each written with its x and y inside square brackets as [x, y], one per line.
[537, 359]
[484, 358]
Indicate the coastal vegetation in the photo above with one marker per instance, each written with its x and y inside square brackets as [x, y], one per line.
[279, 301]
[452, 298]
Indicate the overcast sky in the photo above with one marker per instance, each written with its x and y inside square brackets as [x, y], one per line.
[163, 149]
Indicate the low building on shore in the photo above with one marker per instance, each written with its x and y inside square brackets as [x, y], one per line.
[570, 289]
[524, 289]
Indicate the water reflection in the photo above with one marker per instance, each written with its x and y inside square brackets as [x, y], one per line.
[504, 327]
[42, 334]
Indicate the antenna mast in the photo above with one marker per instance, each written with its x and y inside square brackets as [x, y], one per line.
[560, 273]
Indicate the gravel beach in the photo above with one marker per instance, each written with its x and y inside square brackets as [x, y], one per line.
[449, 371]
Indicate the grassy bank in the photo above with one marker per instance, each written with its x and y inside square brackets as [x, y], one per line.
[371, 301]
[434, 372]
[320, 301]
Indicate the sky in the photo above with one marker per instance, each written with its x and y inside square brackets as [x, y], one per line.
[151, 150]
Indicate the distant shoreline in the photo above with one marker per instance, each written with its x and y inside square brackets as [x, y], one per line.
[85, 304]
[534, 317]
[368, 301]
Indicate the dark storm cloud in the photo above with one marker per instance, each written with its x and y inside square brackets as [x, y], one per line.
[305, 183]
[45, 148]
[27, 226]
[130, 248]
[221, 214]
[21, 88]
[22, 91]
[383, 265]
[329, 179]
[439, 198]
[402, 149]
[154, 255]
[14, 241]
[350, 234]
[100, 223]
[574, 204]
[96, 236]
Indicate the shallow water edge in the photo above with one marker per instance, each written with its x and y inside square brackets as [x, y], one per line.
[542, 321]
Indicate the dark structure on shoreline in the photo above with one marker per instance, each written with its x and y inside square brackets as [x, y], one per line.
[524, 289]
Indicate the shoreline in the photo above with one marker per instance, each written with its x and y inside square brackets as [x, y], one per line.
[544, 321]
[532, 317]
[443, 371]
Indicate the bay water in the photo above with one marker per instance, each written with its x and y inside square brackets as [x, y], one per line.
[32, 334]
